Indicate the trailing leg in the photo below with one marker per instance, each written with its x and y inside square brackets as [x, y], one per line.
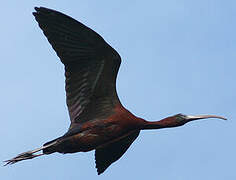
[30, 154]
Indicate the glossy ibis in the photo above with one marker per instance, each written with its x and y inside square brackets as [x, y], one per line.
[98, 120]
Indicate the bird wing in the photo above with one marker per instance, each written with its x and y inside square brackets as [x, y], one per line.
[110, 153]
[91, 65]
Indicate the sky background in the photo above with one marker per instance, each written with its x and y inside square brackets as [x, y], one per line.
[177, 56]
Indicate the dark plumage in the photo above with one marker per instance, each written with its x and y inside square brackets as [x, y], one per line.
[98, 119]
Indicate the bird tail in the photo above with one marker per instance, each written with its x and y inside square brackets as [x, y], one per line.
[47, 149]
[51, 146]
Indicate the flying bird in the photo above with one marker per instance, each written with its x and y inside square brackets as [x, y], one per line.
[98, 120]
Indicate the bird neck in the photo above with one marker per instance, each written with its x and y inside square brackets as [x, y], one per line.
[164, 123]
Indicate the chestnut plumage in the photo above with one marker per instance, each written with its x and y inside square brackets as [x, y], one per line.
[98, 120]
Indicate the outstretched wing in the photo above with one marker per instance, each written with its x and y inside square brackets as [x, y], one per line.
[105, 156]
[91, 65]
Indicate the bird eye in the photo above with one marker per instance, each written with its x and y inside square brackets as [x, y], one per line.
[180, 116]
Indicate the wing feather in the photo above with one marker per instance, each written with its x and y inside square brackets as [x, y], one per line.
[105, 156]
[91, 65]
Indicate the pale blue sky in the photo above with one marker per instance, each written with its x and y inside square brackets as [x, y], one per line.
[178, 56]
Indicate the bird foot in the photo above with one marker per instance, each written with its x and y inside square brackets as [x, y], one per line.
[22, 156]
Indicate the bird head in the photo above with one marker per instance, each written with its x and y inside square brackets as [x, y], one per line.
[181, 119]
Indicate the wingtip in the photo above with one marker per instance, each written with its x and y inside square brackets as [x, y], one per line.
[36, 8]
[41, 9]
[99, 169]
[99, 172]
[35, 13]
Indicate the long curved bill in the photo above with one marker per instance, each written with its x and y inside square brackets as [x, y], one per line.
[190, 118]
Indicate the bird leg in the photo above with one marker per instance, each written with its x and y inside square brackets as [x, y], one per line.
[28, 154]
[24, 156]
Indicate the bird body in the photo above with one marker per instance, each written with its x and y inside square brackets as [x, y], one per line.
[93, 134]
[98, 120]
